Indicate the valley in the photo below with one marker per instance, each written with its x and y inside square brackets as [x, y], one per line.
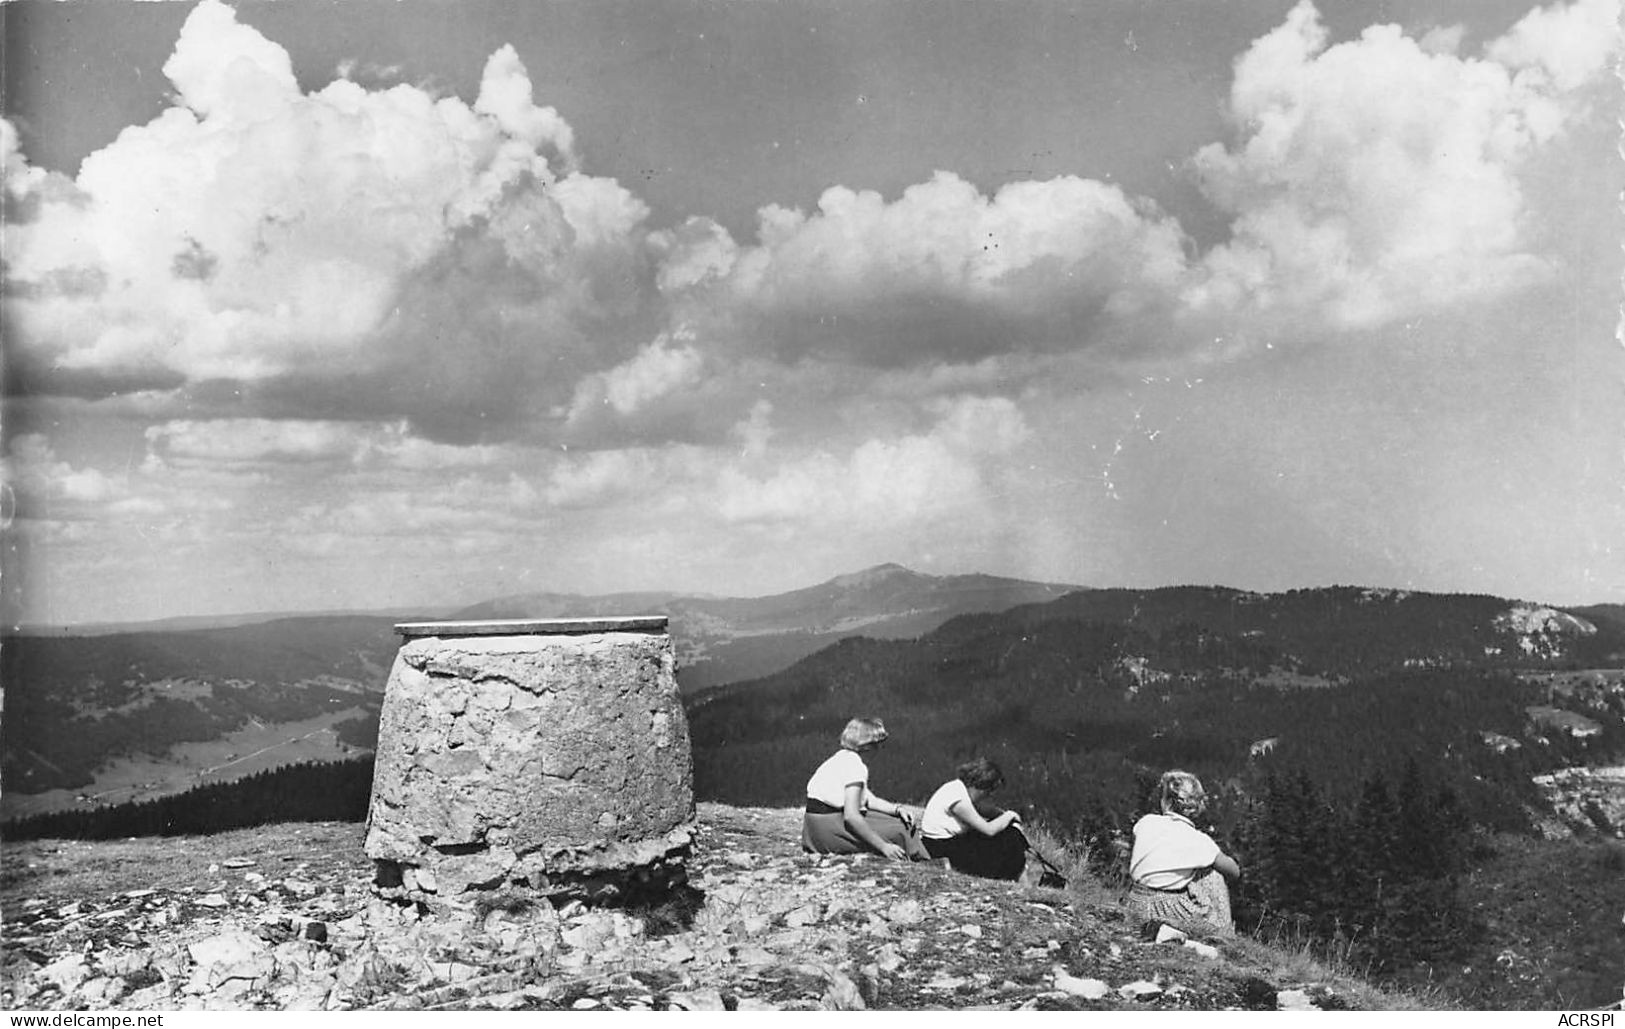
[139, 777]
[124, 715]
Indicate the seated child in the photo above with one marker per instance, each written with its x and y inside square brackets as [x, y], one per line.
[953, 827]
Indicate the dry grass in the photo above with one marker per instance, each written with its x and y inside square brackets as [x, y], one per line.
[1281, 958]
[1077, 863]
[1285, 961]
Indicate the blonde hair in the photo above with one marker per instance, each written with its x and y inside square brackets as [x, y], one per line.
[862, 732]
[1181, 793]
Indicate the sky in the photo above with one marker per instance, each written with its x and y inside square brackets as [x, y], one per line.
[364, 305]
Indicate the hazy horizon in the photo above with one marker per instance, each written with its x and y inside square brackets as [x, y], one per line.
[360, 307]
[445, 609]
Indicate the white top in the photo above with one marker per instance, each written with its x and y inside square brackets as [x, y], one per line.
[939, 822]
[829, 783]
[1169, 851]
[533, 626]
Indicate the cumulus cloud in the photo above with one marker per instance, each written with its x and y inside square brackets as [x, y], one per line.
[44, 484]
[698, 251]
[19, 178]
[254, 233]
[668, 364]
[1380, 177]
[467, 512]
[883, 482]
[942, 272]
[395, 447]
[603, 476]
[223, 67]
[240, 441]
[980, 425]
[755, 431]
[1560, 46]
[250, 442]
[694, 388]
[379, 254]
[382, 286]
[762, 477]
[505, 94]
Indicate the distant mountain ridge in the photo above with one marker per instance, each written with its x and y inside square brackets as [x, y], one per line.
[194, 623]
[121, 716]
[303, 687]
[722, 639]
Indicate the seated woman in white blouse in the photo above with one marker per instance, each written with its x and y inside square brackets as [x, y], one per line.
[843, 816]
[1180, 875]
[953, 827]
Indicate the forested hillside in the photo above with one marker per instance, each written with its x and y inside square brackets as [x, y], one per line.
[1362, 748]
[1346, 630]
[1106, 687]
[322, 792]
[73, 703]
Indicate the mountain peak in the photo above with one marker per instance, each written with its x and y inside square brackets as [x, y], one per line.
[877, 574]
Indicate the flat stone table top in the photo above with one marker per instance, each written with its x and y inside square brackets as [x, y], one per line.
[535, 626]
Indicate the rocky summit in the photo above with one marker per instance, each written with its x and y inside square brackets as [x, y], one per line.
[285, 917]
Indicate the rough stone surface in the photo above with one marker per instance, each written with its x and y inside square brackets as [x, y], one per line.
[888, 935]
[545, 761]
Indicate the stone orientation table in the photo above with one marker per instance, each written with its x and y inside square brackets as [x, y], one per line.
[550, 755]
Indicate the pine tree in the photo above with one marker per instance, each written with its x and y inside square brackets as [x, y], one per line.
[1295, 841]
[1372, 869]
[1422, 919]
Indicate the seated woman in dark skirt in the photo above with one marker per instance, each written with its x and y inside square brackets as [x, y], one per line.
[843, 817]
[960, 824]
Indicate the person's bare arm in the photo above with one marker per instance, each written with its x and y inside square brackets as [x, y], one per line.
[968, 814]
[909, 816]
[1227, 866]
[852, 813]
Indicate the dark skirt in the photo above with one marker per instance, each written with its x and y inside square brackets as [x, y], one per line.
[991, 857]
[828, 834]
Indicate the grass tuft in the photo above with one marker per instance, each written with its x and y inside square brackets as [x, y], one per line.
[1090, 880]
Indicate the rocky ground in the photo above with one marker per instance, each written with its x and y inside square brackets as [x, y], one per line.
[283, 918]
